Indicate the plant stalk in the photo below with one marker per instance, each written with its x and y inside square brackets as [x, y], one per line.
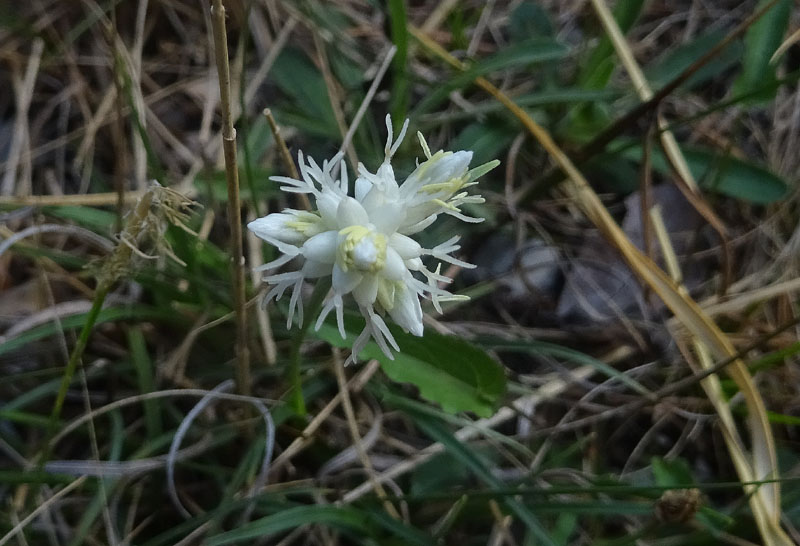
[234, 209]
[295, 379]
[77, 353]
[116, 263]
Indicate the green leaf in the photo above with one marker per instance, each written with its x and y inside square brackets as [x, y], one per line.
[528, 20]
[584, 121]
[724, 175]
[31, 419]
[486, 140]
[300, 80]
[613, 173]
[761, 41]
[441, 473]
[566, 524]
[447, 370]
[675, 61]
[775, 358]
[472, 460]
[94, 508]
[783, 419]
[560, 96]
[522, 55]
[145, 377]
[400, 84]
[671, 473]
[98, 220]
[599, 66]
[111, 314]
[259, 138]
[531, 51]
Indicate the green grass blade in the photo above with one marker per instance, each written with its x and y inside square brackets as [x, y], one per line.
[400, 85]
[761, 41]
[145, 377]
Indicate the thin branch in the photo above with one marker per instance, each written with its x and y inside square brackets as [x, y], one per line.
[234, 208]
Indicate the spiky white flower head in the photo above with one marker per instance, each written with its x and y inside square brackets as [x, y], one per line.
[363, 242]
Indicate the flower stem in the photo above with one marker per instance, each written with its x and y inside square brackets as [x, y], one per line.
[75, 356]
[112, 270]
[297, 402]
[234, 210]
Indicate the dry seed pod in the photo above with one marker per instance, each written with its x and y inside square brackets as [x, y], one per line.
[678, 505]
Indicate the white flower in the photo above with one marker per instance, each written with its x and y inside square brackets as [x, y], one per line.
[363, 243]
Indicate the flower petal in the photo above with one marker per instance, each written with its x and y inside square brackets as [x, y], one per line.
[362, 188]
[321, 247]
[344, 281]
[367, 290]
[274, 226]
[327, 203]
[313, 269]
[351, 213]
[409, 228]
[395, 268]
[407, 311]
[406, 247]
[388, 217]
[450, 166]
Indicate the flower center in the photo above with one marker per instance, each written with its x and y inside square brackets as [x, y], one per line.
[361, 249]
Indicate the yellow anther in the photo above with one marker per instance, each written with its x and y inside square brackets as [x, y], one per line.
[452, 186]
[350, 254]
[445, 205]
[304, 223]
[386, 293]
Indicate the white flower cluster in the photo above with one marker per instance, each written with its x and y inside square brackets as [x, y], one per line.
[364, 242]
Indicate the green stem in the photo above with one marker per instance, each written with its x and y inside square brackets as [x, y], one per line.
[297, 402]
[75, 357]
[112, 269]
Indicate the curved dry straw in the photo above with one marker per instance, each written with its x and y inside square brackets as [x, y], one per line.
[172, 456]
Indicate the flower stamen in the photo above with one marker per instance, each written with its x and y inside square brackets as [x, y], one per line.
[362, 249]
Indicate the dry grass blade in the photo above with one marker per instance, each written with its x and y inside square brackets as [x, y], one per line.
[738, 302]
[40, 509]
[766, 502]
[643, 89]
[713, 387]
[262, 317]
[787, 43]
[358, 443]
[23, 90]
[87, 200]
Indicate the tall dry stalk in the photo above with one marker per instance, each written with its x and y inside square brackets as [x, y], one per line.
[234, 209]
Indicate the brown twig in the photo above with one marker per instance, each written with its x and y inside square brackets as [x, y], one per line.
[234, 210]
[341, 380]
[286, 157]
[646, 198]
